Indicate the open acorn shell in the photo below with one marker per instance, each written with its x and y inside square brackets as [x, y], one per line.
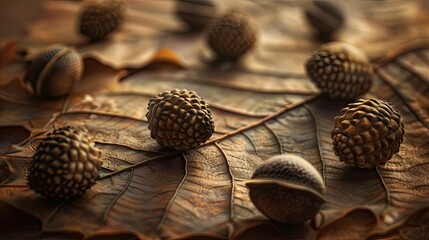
[287, 189]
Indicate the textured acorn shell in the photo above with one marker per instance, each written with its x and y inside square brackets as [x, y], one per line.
[287, 189]
[340, 71]
[179, 119]
[54, 72]
[231, 36]
[65, 165]
[196, 14]
[100, 18]
[367, 133]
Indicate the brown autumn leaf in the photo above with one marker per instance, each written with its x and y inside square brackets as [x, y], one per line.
[354, 224]
[152, 191]
[10, 65]
[253, 229]
[415, 226]
[20, 107]
[265, 106]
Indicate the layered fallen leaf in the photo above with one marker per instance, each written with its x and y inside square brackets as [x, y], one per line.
[264, 107]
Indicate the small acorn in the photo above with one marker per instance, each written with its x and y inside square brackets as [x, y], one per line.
[367, 133]
[340, 71]
[100, 18]
[287, 189]
[54, 72]
[325, 18]
[231, 36]
[196, 13]
[179, 119]
[65, 165]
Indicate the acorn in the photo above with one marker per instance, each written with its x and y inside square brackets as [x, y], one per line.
[179, 119]
[196, 14]
[325, 18]
[287, 189]
[65, 165]
[100, 18]
[54, 72]
[340, 71]
[231, 36]
[367, 133]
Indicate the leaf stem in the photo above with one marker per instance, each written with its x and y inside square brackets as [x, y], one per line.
[165, 155]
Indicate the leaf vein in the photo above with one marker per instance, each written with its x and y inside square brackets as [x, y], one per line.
[385, 187]
[115, 200]
[173, 197]
[318, 139]
[263, 120]
[231, 200]
[276, 137]
[252, 143]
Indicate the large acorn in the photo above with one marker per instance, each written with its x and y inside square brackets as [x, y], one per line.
[54, 72]
[99, 18]
[195, 13]
[367, 133]
[340, 71]
[179, 119]
[287, 189]
[66, 164]
[231, 36]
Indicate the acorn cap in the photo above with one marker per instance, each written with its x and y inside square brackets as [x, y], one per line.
[65, 165]
[231, 35]
[340, 71]
[287, 189]
[99, 18]
[367, 133]
[347, 48]
[179, 119]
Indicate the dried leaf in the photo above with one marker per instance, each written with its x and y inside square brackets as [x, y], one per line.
[11, 135]
[354, 224]
[10, 67]
[263, 106]
[415, 226]
[164, 60]
[272, 230]
[18, 224]
[20, 107]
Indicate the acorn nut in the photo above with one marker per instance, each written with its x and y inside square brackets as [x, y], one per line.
[100, 18]
[231, 35]
[287, 189]
[367, 133]
[340, 71]
[195, 13]
[54, 72]
[65, 165]
[179, 119]
[325, 18]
